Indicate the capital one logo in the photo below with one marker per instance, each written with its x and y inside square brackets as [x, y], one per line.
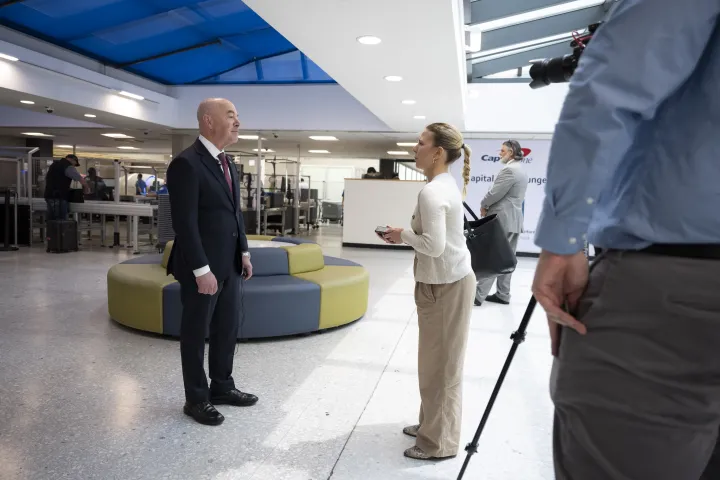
[494, 158]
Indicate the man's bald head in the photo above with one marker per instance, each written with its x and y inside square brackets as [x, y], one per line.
[218, 122]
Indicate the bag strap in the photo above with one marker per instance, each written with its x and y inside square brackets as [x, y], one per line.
[471, 212]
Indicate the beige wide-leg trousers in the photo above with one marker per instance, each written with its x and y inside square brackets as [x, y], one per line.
[444, 318]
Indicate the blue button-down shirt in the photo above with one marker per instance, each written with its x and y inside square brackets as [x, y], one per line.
[635, 155]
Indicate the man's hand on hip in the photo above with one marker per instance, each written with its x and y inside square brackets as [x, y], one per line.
[560, 281]
[247, 268]
[207, 284]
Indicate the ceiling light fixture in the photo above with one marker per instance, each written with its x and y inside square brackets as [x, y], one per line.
[323, 138]
[264, 150]
[369, 40]
[90, 115]
[318, 151]
[116, 135]
[406, 144]
[393, 78]
[248, 137]
[409, 102]
[64, 146]
[27, 102]
[128, 148]
[419, 117]
[8, 57]
[37, 134]
[397, 152]
[131, 95]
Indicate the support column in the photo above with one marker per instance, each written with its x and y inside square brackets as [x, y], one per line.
[180, 143]
[260, 172]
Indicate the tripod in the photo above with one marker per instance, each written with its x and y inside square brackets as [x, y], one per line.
[517, 337]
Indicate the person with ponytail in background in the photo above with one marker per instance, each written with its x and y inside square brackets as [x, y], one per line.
[444, 291]
[504, 199]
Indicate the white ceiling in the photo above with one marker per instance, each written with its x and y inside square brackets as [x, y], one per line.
[421, 42]
[91, 142]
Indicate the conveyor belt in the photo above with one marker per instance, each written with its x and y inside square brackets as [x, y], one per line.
[132, 210]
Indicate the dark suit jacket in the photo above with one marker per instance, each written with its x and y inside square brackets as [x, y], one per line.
[208, 223]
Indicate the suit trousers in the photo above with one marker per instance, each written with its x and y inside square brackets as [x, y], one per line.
[638, 396]
[443, 319]
[484, 284]
[221, 313]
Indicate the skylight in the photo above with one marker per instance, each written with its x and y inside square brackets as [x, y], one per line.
[553, 10]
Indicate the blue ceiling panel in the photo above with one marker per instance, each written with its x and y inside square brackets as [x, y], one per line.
[170, 41]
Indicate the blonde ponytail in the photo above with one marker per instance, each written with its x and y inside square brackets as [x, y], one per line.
[466, 169]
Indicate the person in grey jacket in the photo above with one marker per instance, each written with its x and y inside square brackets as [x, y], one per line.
[504, 199]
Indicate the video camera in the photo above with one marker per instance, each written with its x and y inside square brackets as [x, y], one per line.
[560, 69]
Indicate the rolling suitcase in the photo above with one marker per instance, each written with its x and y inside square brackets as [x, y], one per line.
[62, 236]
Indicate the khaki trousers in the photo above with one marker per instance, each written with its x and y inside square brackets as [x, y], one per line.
[443, 318]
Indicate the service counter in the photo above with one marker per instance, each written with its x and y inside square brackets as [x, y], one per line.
[371, 203]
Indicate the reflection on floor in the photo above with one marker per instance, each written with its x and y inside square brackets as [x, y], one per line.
[83, 398]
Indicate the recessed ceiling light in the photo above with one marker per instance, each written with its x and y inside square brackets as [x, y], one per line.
[248, 137]
[116, 135]
[419, 117]
[393, 78]
[264, 150]
[131, 95]
[318, 151]
[128, 148]
[36, 134]
[90, 115]
[323, 138]
[8, 57]
[409, 102]
[27, 102]
[406, 144]
[397, 152]
[64, 146]
[369, 40]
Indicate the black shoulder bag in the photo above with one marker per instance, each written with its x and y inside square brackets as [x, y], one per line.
[489, 247]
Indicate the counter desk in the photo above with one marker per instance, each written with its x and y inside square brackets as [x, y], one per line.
[371, 203]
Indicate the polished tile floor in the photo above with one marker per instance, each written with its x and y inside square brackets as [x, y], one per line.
[83, 398]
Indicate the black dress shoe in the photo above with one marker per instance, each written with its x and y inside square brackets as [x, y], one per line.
[495, 299]
[234, 397]
[478, 304]
[204, 413]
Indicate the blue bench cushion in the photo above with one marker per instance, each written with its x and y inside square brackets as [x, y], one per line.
[145, 259]
[269, 261]
[272, 306]
[340, 262]
[295, 240]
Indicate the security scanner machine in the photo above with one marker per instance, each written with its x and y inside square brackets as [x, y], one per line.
[15, 215]
[31, 206]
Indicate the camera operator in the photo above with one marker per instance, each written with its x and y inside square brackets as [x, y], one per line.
[636, 378]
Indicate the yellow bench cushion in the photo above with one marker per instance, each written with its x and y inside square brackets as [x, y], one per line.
[135, 295]
[307, 257]
[343, 293]
[259, 237]
[166, 253]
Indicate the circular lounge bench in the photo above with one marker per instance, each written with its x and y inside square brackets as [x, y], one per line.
[295, 289]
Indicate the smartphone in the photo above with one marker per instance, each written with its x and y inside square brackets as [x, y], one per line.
[381, 230]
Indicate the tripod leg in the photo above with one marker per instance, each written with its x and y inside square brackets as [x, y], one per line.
[517, 337]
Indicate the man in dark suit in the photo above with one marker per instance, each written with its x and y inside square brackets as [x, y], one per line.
[209, 256]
